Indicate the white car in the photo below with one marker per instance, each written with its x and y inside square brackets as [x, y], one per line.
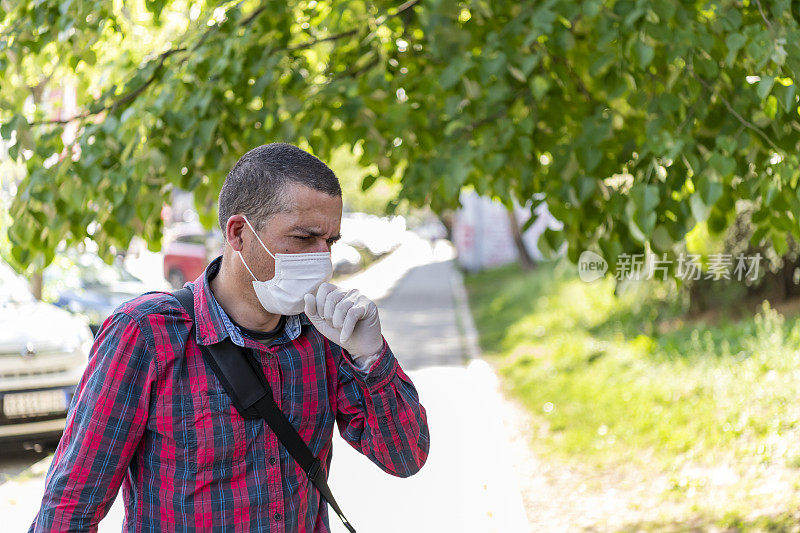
[379, 235]
[43, 352]
[345, 259]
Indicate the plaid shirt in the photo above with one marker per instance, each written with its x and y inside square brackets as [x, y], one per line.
[149, 415]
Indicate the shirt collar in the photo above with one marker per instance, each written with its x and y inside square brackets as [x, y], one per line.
[212, 322]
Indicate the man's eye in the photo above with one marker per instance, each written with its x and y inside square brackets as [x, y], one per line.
[302, 238]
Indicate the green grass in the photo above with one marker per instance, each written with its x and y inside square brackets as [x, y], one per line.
[626, 380]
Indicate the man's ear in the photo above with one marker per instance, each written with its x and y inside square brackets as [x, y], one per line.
[234, 230]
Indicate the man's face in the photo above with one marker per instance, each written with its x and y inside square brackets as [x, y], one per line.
[311, 224]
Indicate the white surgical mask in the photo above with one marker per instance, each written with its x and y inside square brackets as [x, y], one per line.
[295, 276]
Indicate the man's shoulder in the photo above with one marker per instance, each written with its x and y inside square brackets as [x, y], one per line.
[150, 305]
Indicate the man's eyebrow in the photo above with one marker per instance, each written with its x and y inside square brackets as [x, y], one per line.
[314, 233]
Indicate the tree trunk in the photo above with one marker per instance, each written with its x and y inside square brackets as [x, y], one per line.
[36, 285]
[525, 260]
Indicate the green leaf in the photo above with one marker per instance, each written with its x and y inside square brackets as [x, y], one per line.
[550, 241]
[24, 134]
[8, 127]
[699, 208]
[453, 73]
[646, 197]
[787, 97]
[261, 83]
[586, 188]
[591, 8]
[600, 65]
[724, 166]
[771, 106]
[645, 54]
[770, 194]
[710, 190]
[758, 235]
[368, 181]
[206, 130]
[539, 86]
[661, 239]
[589, 157]
[780, 243]
[89, 57]
[734, 42]
[528, 63]
[665, 9]
[765, 86]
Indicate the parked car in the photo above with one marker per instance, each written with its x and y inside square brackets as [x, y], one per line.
[187, 253]
[378, 235]
[345, 258]
[86, 285]
[43, 352]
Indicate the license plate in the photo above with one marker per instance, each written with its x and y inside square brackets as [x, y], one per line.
[34, 403]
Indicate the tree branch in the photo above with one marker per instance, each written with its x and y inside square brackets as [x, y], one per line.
[123, 99]
[558, 59]
[733, 111]
[245, 22]
[312, 42]
[403, 7]
[763, 16]
[139, 90]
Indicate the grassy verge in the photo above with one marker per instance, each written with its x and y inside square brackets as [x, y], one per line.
[624, 382]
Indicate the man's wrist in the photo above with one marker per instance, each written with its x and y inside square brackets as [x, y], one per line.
[364, 362]
[375, 353]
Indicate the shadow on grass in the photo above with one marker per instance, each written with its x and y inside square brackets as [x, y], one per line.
[505, 296]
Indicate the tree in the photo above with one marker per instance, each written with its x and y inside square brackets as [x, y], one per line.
[636, 119]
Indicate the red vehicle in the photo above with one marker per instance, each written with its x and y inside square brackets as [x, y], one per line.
[186, 256]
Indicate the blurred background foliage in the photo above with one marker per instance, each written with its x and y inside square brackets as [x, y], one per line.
[637, 120]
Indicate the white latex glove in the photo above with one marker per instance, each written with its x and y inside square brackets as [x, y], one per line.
[347, 318]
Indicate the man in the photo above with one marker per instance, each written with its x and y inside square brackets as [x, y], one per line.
[149, 414]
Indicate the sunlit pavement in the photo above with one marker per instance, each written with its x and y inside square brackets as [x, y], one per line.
[468, 483]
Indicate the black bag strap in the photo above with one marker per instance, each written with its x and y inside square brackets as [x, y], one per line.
[251, 395]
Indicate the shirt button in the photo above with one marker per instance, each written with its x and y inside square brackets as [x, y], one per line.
[272, 460]
[277, 516]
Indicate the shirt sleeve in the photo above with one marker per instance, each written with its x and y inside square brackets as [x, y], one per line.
[105, 423]
[380, 415]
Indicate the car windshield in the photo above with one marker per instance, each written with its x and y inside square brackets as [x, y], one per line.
[13, 288]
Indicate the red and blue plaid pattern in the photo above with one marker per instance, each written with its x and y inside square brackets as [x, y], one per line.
[150, 416]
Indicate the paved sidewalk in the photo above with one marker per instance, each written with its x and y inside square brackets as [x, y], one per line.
[468, 483]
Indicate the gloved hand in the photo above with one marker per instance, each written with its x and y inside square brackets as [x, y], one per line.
[347, 318]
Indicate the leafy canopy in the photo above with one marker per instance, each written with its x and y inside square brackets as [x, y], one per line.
[636, 119]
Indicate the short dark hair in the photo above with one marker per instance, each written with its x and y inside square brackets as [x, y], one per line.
[254, 185]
